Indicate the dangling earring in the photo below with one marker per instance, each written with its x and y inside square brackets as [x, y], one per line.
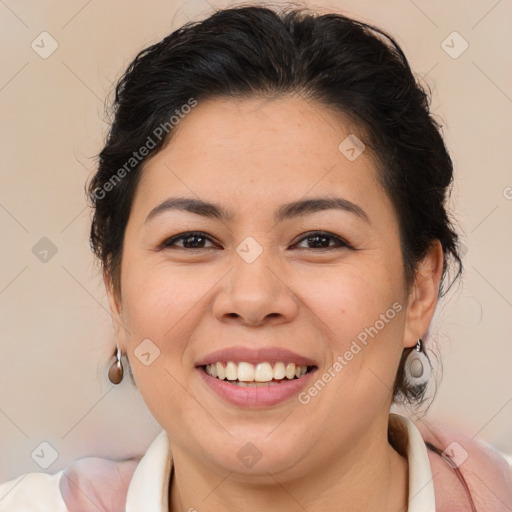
[418, 369]
[115, 373]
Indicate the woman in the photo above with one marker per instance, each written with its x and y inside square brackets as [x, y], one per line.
[270, 217]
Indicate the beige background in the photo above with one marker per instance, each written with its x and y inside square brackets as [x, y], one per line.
[56, 333]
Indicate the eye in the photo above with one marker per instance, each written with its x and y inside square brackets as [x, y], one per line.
[191, 240]
[198, 239]
[322, 239]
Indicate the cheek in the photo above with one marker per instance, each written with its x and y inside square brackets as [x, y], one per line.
[157, 297]
[352, 298]
[155, 306]
[361, 310]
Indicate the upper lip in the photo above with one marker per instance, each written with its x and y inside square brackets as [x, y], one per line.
[239, 354]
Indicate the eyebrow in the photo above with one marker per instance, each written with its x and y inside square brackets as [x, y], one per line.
[284, 212]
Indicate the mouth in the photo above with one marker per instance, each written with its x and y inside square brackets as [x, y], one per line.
[262, 374]
[256, 385]
[261, 377]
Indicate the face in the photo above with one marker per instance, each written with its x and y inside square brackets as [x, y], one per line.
[260, 281]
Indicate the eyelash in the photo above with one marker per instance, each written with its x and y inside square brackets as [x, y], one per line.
[190, 234]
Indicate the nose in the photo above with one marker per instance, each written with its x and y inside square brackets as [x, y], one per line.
[255, 294]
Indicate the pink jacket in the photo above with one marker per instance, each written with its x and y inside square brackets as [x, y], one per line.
[487, 473]
[93, 483]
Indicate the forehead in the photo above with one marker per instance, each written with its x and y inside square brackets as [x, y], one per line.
[281, 129]
[253, 150]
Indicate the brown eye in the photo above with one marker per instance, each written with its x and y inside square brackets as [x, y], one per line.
[190, 240]
[322, 240]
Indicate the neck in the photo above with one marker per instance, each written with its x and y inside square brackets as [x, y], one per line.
[370, 476]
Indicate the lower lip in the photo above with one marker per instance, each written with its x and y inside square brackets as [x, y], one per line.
[256, 396]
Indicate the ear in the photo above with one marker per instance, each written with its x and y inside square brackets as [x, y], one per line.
[423, 296]
[116, 311]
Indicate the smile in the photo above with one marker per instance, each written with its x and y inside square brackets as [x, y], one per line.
[253, 375]
[256, 385]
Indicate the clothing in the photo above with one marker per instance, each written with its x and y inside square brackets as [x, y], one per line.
[149, 484]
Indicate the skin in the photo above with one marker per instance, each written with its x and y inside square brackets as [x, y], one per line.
[251, 156]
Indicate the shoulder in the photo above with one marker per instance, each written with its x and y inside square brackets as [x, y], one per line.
[32, 492]
[487, 472]
[87, 484]
[94, 482]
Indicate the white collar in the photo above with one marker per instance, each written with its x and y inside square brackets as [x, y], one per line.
[421, 483]
[149, 485]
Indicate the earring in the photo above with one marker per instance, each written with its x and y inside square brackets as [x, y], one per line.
[115, 373]
[417, 368]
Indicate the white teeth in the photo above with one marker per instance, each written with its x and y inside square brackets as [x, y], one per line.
[249, 374]
[245, 372]
[264, 372]
[290, 371]
[231, 371]
[279, 370]
[221, 373]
